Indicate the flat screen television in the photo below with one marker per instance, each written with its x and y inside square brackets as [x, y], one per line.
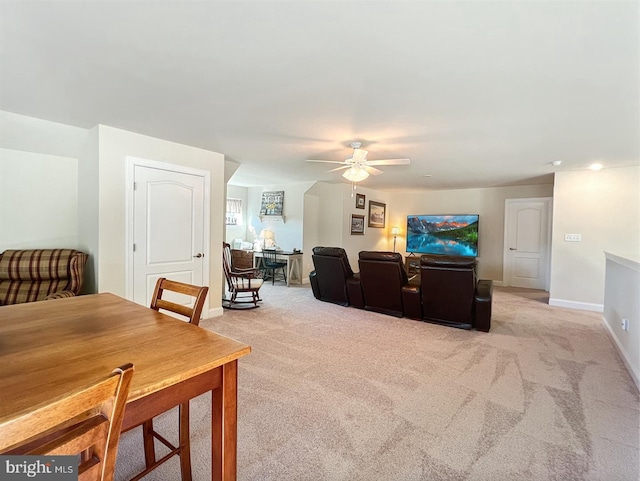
[453, 235]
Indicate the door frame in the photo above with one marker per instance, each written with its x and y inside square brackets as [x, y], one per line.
[131, 164]
[505, 249]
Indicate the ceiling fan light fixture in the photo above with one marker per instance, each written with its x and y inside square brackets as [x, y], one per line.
[355, 174]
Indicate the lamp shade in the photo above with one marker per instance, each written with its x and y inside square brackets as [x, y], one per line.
[267, 234]
[355, 174]
[395, 230]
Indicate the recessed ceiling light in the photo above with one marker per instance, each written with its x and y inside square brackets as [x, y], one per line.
[595, 166]
[556, 163]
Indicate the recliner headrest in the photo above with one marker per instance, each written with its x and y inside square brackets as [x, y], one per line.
[336, 252]
[447, 261]
[330, 251]
[380, 256]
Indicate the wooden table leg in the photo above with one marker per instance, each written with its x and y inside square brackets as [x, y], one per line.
[298, 267]
[224, 428]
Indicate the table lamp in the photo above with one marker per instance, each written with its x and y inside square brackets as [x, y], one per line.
[268, 238]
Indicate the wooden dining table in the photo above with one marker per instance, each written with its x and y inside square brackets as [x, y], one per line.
[49, 348]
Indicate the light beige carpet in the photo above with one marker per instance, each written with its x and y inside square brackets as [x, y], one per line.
[335, 393]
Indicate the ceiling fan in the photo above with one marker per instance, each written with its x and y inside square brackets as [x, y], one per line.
[358, 167]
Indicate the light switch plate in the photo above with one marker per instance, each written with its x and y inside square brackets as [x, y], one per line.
[573, 237]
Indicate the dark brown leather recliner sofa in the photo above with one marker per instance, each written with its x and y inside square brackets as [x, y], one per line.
[333, 280]
[385, 286]
[451, 294]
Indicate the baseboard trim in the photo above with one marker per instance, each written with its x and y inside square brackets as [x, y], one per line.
[623, 353]
[215, 312]
[498, 283]
[584, 306]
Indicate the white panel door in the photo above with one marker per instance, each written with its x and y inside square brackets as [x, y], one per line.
[168, 230]
[527, 243]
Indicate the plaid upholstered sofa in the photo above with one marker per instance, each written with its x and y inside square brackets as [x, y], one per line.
[39, 274]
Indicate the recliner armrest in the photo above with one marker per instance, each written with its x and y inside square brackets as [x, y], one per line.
[411, 301]
[315, 288]
[484, 290]
[483, 299]
[354, 289]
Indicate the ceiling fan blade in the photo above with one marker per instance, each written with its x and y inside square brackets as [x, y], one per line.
[327, 161]
[339, 168]
[389, 162]
[372, 170]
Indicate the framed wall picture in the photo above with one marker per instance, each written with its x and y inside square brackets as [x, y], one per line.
[377, 214]
[360, 200]
[272, 203]
[357, 224]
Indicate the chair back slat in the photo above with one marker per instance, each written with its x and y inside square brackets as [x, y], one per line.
[192, 313]
[226, 264]
[173, 307]
[85, 422]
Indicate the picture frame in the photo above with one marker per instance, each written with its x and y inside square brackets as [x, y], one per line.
[377, 214]
[357, 224]
[272, 203]
[360, 201]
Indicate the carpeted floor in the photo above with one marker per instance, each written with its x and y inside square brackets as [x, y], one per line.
[335, 393]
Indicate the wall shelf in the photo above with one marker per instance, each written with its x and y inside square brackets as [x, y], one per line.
[276, 218]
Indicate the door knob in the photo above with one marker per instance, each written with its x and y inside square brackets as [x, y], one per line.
[199, 255]
[512, 249]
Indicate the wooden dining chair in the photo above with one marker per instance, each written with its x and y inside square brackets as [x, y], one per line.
[183, 450]
[192, 312]
[271, 265]
[84, 423]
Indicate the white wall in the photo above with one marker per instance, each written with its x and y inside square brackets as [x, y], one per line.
[114, 147]
[328, 210]
[488, 202]
[321, 203]
[374, 238]
[88, 225]
[19, 132]
[622, 301]
[604, 207]
[38, 200]
[38, 182]
[288, 234]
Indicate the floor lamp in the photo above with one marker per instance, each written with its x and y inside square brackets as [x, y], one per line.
[394, 232]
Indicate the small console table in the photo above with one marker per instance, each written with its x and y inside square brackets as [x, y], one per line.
[294, 264]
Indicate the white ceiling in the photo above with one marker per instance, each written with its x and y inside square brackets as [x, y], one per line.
[476, 93]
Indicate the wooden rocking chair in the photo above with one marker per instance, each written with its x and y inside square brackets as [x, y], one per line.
[242, 284]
